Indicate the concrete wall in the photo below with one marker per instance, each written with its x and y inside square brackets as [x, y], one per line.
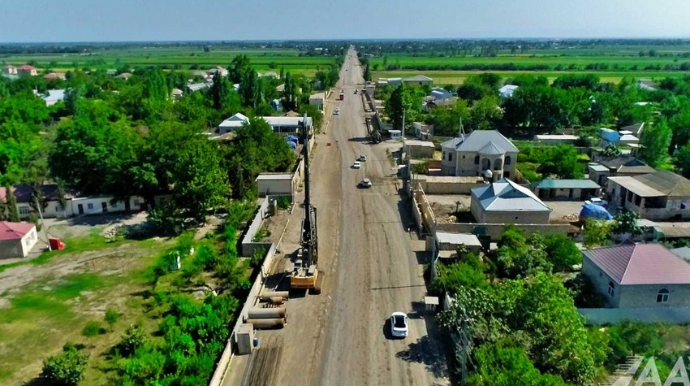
[601, 280]
[603, 316]
[417, 151]
[567, 194]
[55, 210]
[28, 241]
[276, 185]
[248, 247]
[463, 164]
[636, 296]
[438, 186]
[11, 249]
[427, 218]
[494, 230]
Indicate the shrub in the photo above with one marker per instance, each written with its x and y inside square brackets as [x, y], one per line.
[111, 317]
[284, 203]
[66, 368]
[92, 329]
[134, 338]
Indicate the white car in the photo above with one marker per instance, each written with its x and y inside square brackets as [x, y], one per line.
[399, 324]
[356, 165]
[365, 183]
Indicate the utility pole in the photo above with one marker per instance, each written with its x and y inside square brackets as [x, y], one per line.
[43, 224]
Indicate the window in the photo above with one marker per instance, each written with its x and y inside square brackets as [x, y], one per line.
[506, 174]
[476, 160]
[90, 206]
[508, 160]
[444, 155]
[683, 205]
[24, 210]
[662, 296]
[450, 156]
[58, 208]
[612, 289]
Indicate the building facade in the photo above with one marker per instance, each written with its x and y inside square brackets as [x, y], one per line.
[484, 153]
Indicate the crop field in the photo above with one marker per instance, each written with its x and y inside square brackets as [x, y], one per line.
[174, 58]
[458, 77]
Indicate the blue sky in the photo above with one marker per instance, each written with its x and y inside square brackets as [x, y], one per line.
[133, 20]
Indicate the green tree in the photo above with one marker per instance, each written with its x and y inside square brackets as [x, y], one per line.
[681, 159]
[250, 89]
[484, 114]
[562, 252]
[66, 368]
[111, 317]
[11, 205]
[447, 120]
[315, 114]
[402, 99]
[199, 180]
[533, 110]
[596, 233]
[654, 143]
[290, 93]
[562, 161]
[468, 272]
[239, 68]
[518, 256]
[625, 222]
[134, 338]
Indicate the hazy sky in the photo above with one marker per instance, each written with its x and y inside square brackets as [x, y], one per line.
[118, 20]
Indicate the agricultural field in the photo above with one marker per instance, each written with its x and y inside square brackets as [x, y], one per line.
[451, 64]
[187, 57]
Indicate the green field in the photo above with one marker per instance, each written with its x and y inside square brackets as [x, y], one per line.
[458, 77]
[174, 57]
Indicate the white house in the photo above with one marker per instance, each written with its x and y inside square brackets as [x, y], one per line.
[233, 123]
[507, 91]
[440, 94]
[278, 124]
[318, 100]
[505, 202]
[16, 239]
[480, 153]
[53, 97]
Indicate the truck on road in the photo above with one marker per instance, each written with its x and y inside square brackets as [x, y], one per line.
[342, 95]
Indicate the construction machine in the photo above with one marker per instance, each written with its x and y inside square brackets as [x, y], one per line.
[305, 273]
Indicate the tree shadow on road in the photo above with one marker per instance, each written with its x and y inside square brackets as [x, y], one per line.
[427, 352]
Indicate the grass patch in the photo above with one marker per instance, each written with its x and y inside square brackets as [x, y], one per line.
[92, 329]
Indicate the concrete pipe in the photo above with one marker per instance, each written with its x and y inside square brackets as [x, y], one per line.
[266, 296]
[277, 300]
[266, 323]
[267, 313]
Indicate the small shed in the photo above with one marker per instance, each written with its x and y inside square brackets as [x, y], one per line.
[16, 239]
[395, 134]
[567, 189]
[419, 149]
[276, 184]
[318, 100]
[448, 243]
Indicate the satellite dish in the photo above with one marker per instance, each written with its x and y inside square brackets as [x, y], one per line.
[488, 173]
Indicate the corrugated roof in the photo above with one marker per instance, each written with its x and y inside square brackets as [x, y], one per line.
[277, 176]
[683, 253]
[562, 137]
[507, 196]
[567, 184]
[417, 78]
[637, 187]
[599, 168]
[14, 230]
[631, 264]
[477, 139]
[669, 183]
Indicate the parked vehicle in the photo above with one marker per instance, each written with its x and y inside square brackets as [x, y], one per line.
[362, 157]
[365, 183]
[356, 165]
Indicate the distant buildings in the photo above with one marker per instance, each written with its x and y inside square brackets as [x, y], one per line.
[27, 70]
[507, 91]
[9, 70]
[278, 124]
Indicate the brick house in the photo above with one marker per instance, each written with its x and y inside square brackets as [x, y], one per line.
[638, 275]
[480, 153]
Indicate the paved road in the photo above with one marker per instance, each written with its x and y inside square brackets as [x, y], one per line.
[340, 337]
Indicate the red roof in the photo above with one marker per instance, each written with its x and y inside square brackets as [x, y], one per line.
[27, 67]
[641, 264]
[14, 230]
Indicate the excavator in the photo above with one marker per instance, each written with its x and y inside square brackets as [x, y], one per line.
[304, 273]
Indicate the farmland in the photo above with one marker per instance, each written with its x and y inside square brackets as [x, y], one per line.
[451, 62]
[184, 57]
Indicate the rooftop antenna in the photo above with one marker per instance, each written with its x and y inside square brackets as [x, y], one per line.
[461, 131]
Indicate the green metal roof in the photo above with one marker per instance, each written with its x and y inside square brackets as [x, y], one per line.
[567, 184]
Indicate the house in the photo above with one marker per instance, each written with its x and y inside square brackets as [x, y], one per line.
[9, 70]
[419, 149]
[482, 152]
[638, 275]
[27, 70]
[218, 70]
[505, 202]
[418, 81]
[555, 139]
[124, 76]
[657, 196]
[578, 190]
[507, 91]
[269, 74]
[176, 93]
[53, 97]
[280, 88]
[317, 100]
[647, 85]
[395, 134]
[194, 87]
[622, 165]
[422, 130]
[75, 204]
[278, 124]
[16, 239]
[393, 82]
[634, 129]
[54, 76]
[447, 244]
[440, 94]
[233, 123]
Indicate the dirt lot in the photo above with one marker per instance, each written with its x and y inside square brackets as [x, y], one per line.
[562, 209]
[445, 205]
[46, 303]
[373, 267]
